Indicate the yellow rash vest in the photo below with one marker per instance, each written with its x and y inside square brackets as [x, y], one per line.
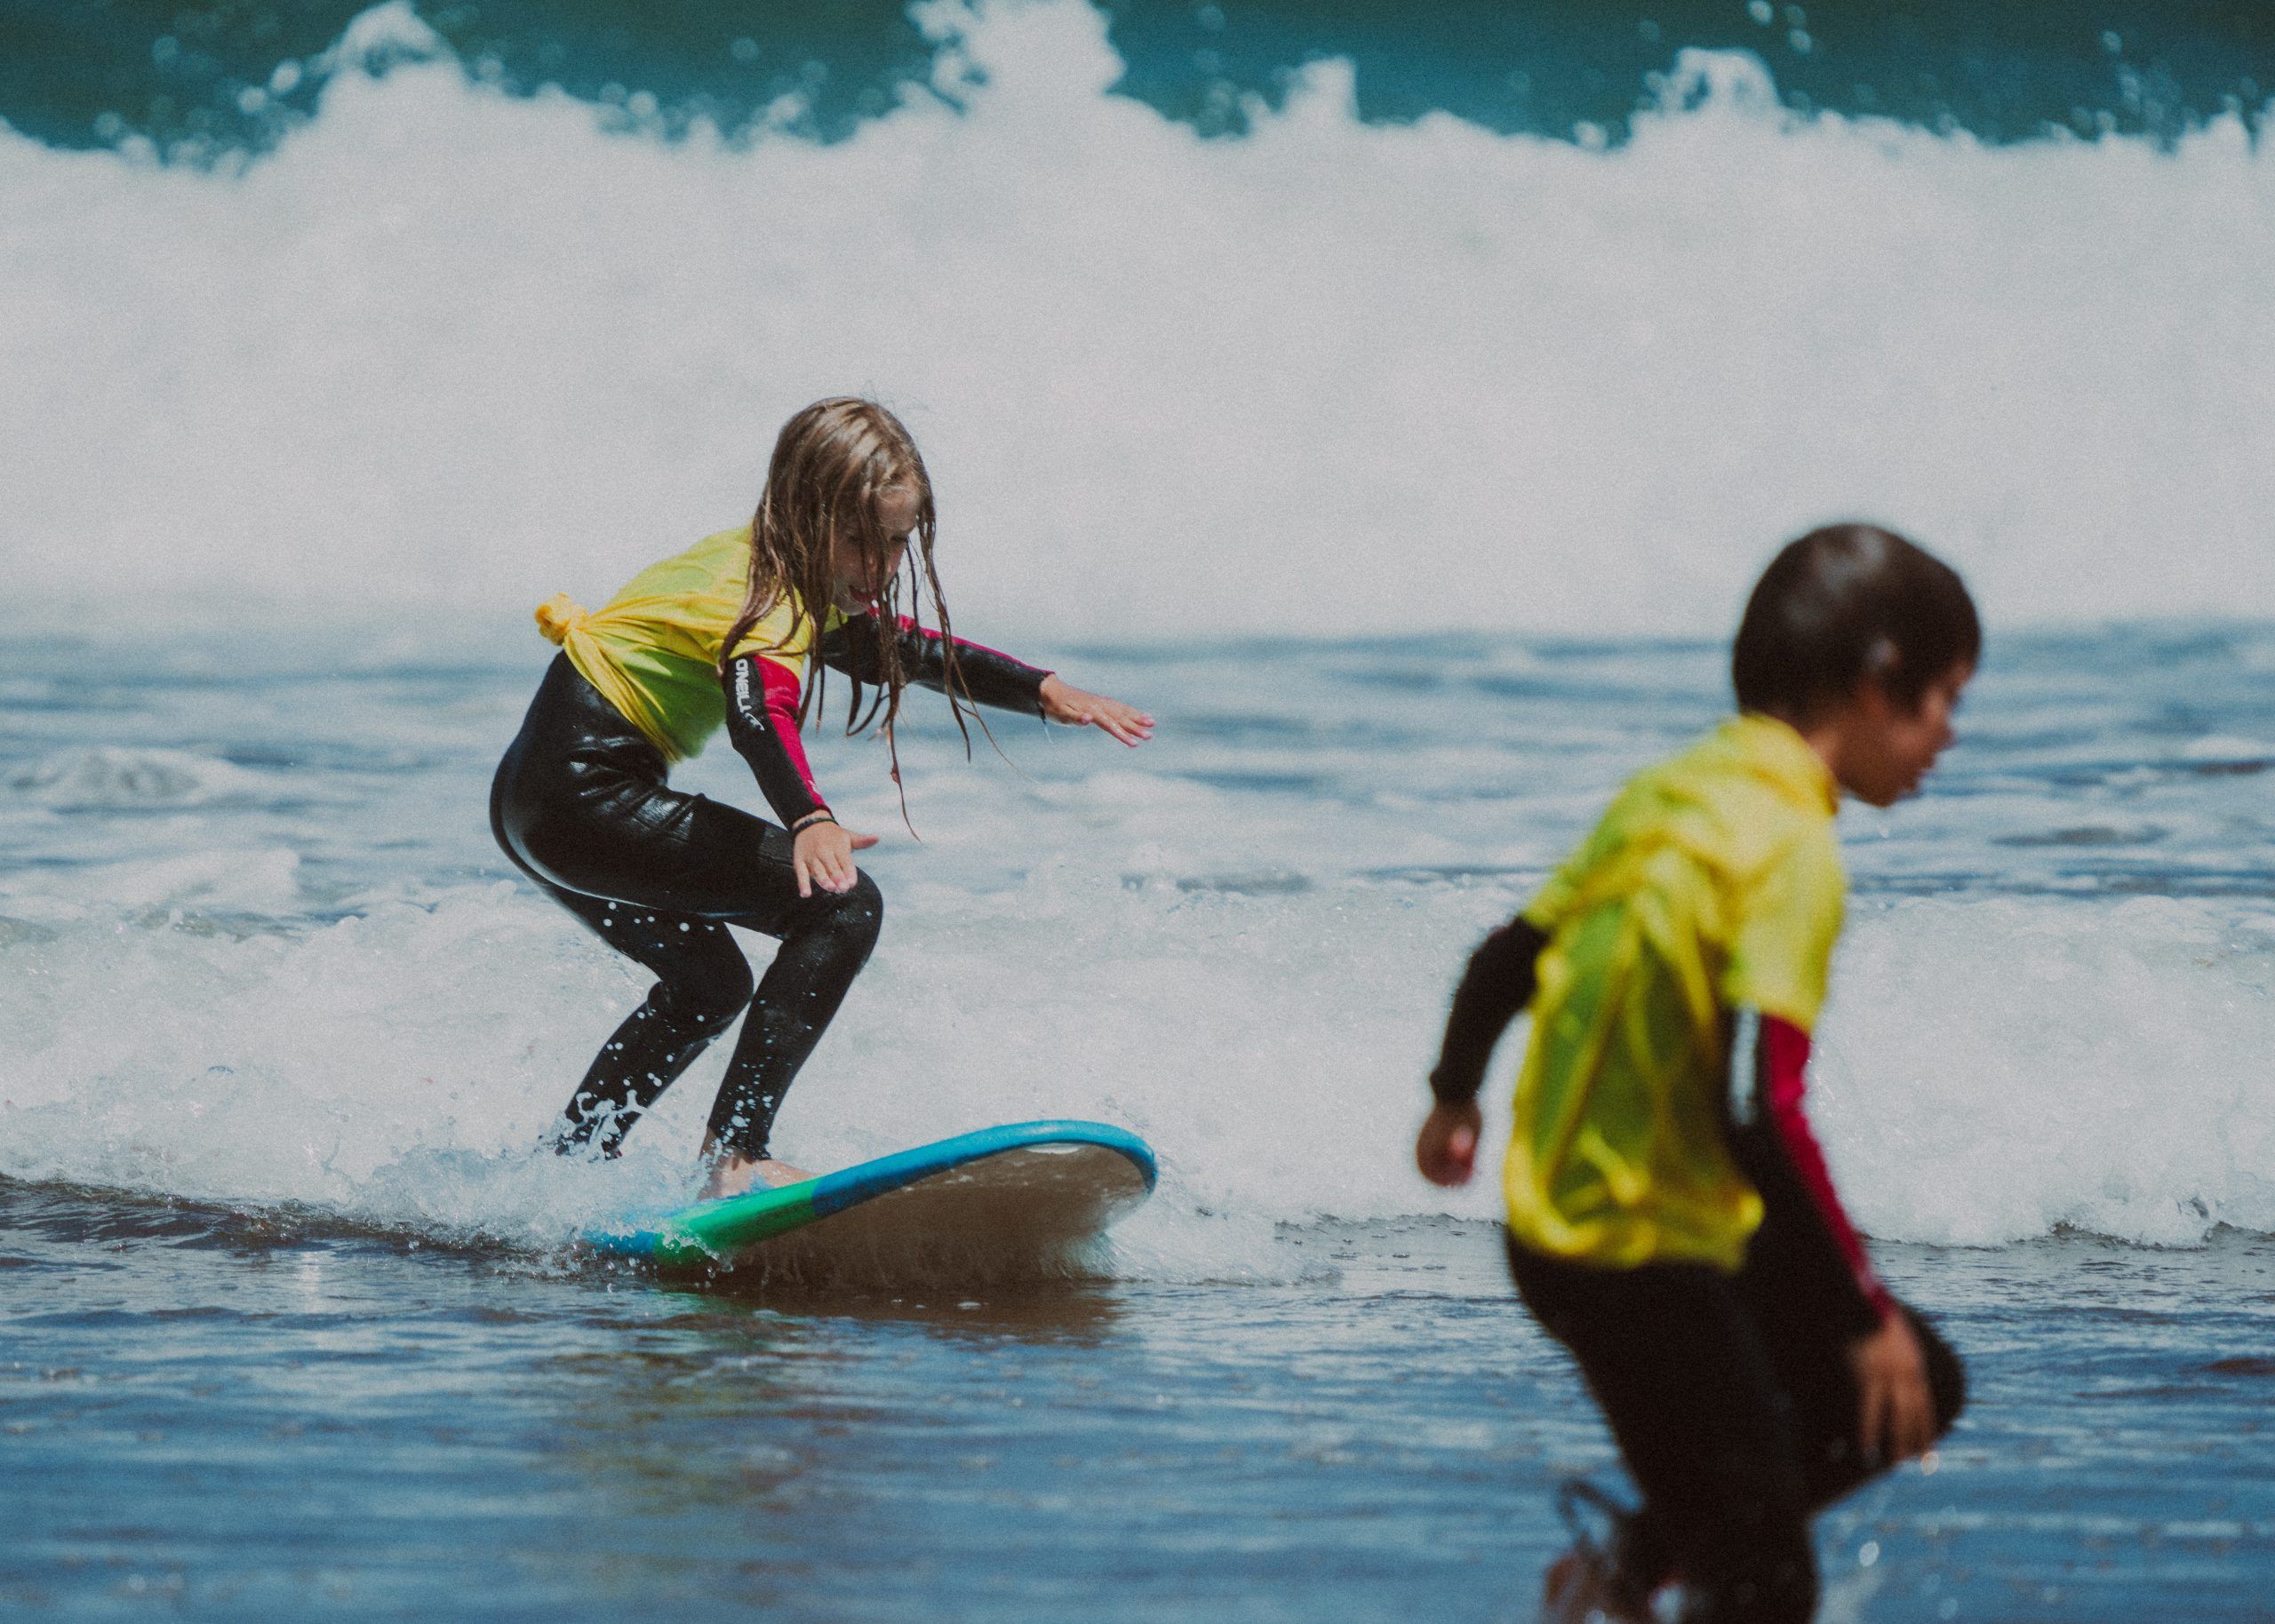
[654, 648]
[1712, 882]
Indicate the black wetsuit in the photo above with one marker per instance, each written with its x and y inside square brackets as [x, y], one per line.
[580, 805]
[1731, 1397]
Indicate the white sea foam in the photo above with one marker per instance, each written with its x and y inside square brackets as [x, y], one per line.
[90, 776]
[447, 348]
[1994, 1069]
[447, 344]
[397, 1066]
[260, 880]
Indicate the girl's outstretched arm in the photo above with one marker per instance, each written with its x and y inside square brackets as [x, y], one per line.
[990, 677]
[1063, 702]
[856, 646]
[1494, 991]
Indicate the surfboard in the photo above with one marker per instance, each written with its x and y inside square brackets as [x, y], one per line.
[1001, 1202]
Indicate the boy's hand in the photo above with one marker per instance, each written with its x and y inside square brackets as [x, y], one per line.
[823, 856]
[1895, 1416]
[1446, 1149]
[1063, 702]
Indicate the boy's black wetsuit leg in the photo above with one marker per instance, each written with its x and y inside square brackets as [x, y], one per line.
[1735, 1407]
[1688, 1384]
[580, 805]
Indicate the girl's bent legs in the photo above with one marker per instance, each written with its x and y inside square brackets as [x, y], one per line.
[1690, 1390]
[580, 804]
[703, 983]
[659, 875]
[825, 940]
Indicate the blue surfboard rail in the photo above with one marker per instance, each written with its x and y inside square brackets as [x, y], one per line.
[695, 1230]
[834, 1192]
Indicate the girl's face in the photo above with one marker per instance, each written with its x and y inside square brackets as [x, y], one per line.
[1886, 748]
[861, 576]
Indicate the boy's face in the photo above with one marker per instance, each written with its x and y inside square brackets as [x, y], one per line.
[1886, 747]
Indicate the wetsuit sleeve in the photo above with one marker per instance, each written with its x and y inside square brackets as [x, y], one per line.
[1804, 1226]
[855, 646]
[763, 724]
[1495, 989]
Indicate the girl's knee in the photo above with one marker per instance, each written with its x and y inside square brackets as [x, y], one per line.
[871, 902]
[706, 995]
[852, 916]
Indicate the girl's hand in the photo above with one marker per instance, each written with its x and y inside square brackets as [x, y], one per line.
[1446, 1149]
[1895, 1417]
[1064, 701]
[822, 854]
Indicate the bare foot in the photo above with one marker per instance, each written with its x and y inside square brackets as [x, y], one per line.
[734, 1175]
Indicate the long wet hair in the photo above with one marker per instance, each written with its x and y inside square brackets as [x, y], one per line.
[832, 462]
[1848, 604]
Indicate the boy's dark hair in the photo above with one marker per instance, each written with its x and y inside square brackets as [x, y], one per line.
[1845, 603]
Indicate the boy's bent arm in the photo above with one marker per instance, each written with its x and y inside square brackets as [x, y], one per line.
[1814, 1253]
[1804, 1225]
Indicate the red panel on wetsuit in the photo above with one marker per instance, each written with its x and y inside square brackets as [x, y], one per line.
[783, 689]
[1786, 1057]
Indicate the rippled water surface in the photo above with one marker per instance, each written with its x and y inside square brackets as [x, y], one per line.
[212, 1416]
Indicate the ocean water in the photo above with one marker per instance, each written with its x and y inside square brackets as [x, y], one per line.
[1398, 403]
[295, 1330]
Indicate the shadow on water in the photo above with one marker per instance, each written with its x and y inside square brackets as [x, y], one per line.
[86, 1226]
[1061, 1310]
[93, 1214]
[716, 1403]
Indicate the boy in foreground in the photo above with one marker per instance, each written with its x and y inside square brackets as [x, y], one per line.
[1670, 1219]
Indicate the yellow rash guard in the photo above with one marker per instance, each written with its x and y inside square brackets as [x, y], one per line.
[1714, 881]
[654, 648]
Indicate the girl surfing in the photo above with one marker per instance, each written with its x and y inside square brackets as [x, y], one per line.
[725, 635]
